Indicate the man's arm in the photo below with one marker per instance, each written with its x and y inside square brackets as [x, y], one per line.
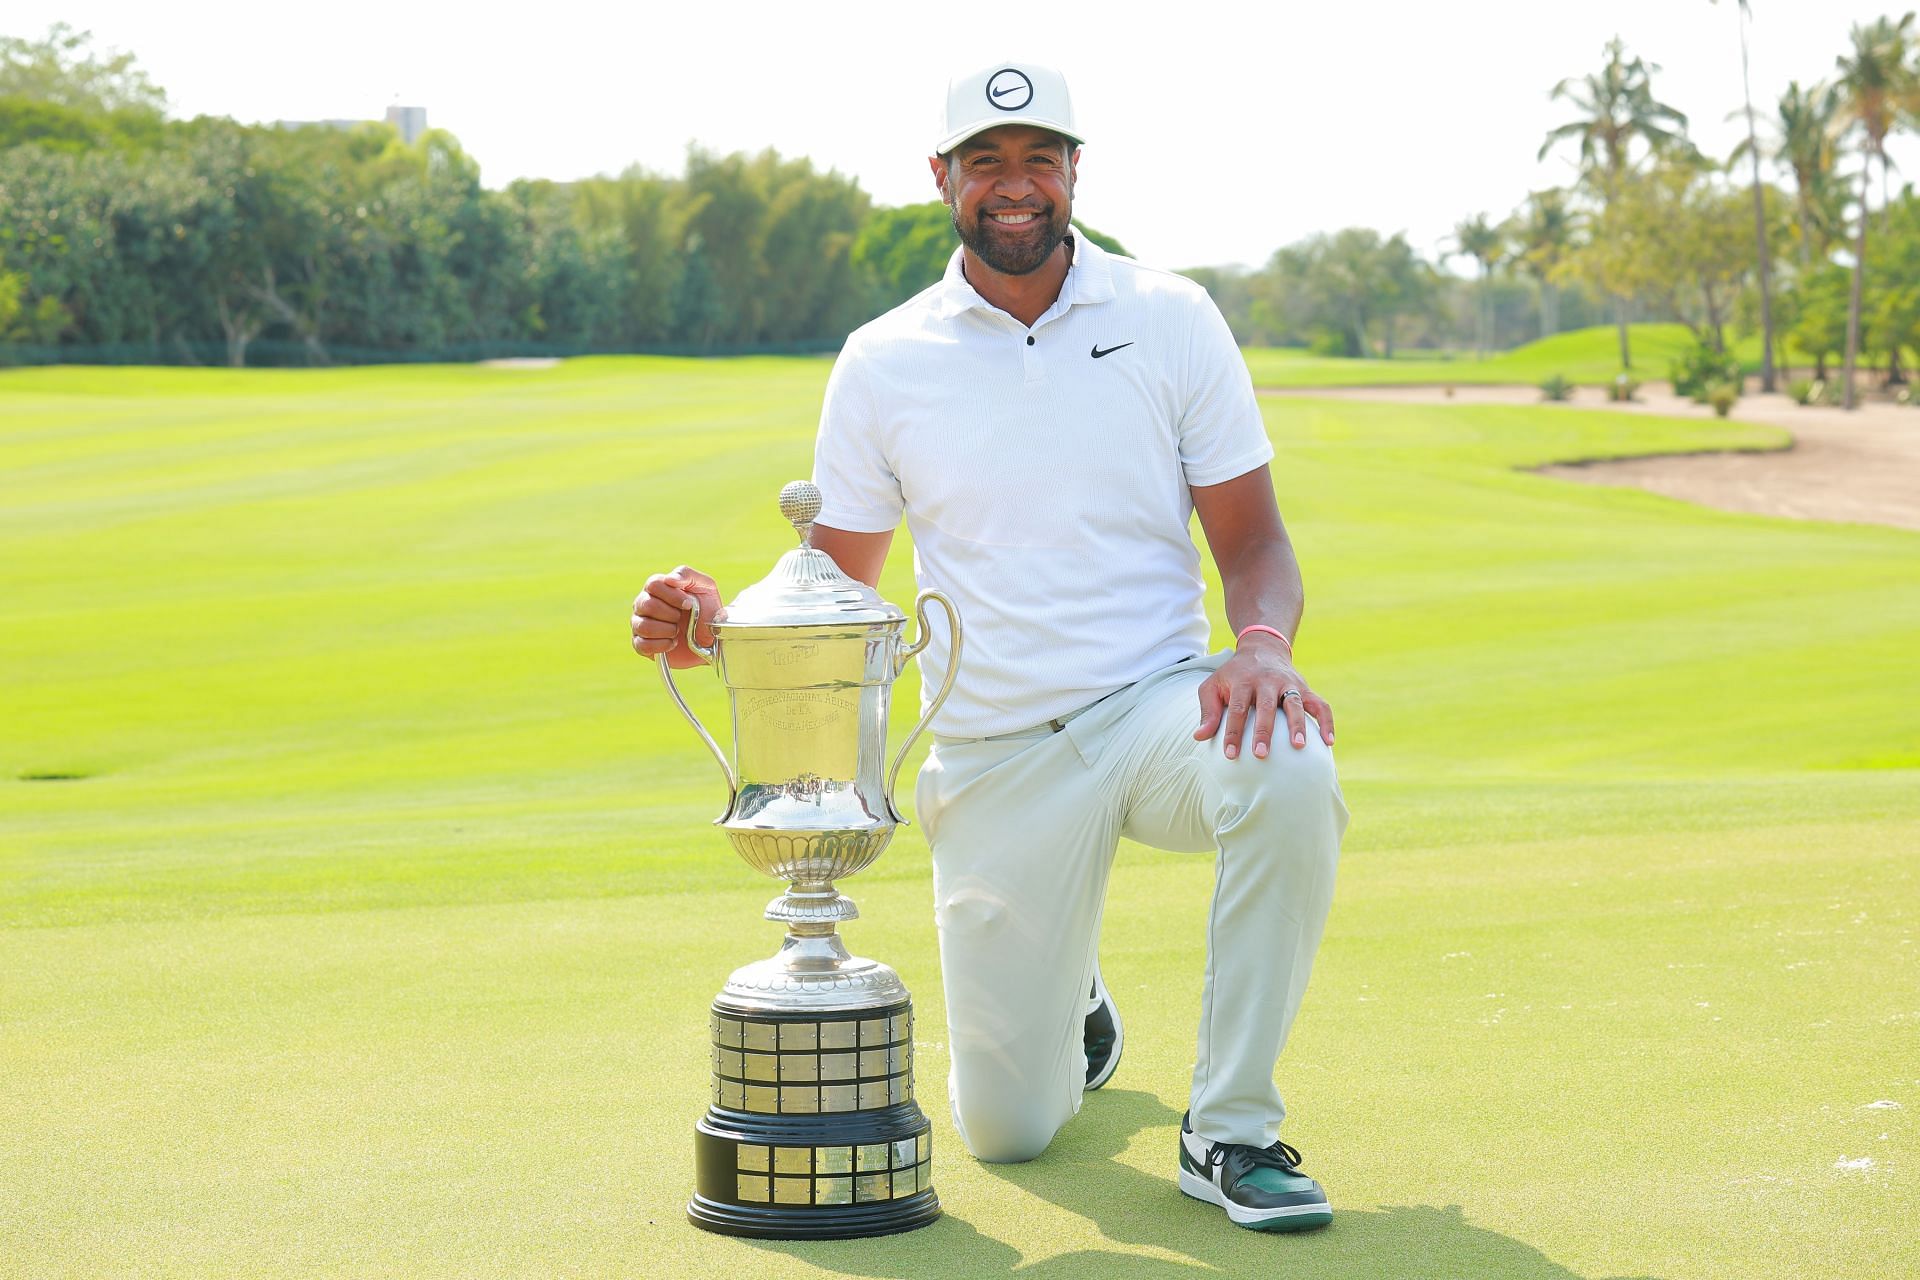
[859, 555]
[1241, 521]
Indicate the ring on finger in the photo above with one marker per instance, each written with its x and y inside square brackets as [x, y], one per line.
[1291, 693]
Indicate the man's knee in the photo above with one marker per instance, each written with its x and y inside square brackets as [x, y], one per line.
[1287, 779]
[998, 1129]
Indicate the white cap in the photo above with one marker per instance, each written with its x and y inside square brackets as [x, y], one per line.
[1006, 93]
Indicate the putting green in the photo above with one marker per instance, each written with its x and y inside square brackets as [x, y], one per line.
[364, 912]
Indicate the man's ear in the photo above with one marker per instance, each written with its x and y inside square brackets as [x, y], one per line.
[939, 166]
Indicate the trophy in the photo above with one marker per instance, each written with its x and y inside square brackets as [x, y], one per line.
[813, 1131]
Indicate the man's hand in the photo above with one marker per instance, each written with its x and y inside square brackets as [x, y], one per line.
[1257, 679]
[660, 615]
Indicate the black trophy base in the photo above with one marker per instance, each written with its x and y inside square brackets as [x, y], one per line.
[813, 1177]
[814, 1222]
[813, 1133]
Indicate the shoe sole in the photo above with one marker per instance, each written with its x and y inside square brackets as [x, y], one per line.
[1299, 1217]
[1113, 1059]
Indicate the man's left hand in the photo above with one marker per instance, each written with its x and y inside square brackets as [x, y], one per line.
[1256, 682]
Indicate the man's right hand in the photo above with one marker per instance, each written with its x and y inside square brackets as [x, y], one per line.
[660, 615]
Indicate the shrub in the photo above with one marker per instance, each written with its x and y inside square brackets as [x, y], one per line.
[1804, 390]
[1556, 388]
[1700, 369]
[1621, 389]
[1327, 342]
[1722, 396]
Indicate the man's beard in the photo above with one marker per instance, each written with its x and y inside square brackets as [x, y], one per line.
[1019, 259]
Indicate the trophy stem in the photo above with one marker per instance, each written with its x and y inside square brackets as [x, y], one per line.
[811, 908]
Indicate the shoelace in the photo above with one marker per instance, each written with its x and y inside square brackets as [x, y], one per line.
[1278, 1156]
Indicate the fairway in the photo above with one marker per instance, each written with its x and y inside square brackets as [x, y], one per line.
[1585, 357]
[359, 909]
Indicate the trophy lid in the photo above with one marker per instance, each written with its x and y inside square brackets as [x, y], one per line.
[806, 588]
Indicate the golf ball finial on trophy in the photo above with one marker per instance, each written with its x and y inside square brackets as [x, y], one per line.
[813, 1131]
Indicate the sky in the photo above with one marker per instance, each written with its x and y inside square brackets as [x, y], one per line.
[1215, 133]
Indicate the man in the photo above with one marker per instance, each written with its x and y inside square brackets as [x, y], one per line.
[1047, 418]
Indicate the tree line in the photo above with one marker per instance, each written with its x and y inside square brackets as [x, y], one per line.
[1652, 228]
[126, 235]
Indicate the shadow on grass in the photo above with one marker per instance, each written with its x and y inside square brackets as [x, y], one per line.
[1137, 1211]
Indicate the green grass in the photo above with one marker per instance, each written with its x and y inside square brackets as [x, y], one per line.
[1588, 357]
[375, 934]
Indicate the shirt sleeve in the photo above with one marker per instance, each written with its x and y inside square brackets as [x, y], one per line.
[1221, 432]
[858, 490]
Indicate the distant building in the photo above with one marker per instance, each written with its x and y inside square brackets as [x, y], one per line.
[410, 122]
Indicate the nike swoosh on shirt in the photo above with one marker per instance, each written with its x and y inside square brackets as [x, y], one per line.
[1097, 352]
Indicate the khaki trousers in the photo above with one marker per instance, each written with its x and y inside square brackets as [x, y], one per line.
[1023, 828]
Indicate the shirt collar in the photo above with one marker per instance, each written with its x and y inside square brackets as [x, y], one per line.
[1089, 279]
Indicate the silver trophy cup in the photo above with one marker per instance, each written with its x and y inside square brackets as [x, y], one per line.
[813, 1131]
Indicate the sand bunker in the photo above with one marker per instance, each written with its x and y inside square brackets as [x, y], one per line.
[1858, 467]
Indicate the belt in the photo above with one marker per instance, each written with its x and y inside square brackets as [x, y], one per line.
[1055, 725]
[1060, 722]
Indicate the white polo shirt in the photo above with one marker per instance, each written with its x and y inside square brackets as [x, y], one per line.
[1044, 474]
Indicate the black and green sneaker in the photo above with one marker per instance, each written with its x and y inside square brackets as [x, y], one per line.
[1261, 1188]
[1102, 1033]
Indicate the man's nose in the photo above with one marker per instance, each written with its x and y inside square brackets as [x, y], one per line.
[1013, 185]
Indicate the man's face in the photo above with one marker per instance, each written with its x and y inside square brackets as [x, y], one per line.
[1010, 191]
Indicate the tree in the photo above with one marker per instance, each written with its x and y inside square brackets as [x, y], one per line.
[1820, 303]
[1802, 143]
[63, 70]
[1407, 288]
[648, 214]
[1102, 239]
[1340, 289]
[904, 250]
[39, 322]
[1232, 290]
[1677, 234]
[1895, 304]
[1744, 14]
[1617, 109]
[1876, 85]
[1485, 243]
[1542, 236]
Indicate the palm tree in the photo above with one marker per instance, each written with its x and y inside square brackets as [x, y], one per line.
[1482, 241]
[1804, 147]
[1542, 236]
[1616, 107]
[1875, 86]
[1759, 213]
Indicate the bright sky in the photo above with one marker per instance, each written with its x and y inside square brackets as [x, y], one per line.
[1216, 133]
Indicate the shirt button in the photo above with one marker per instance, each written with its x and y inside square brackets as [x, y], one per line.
[1029, 339]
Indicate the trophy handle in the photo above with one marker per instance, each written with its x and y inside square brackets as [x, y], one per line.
[666, 674]
[946, 685]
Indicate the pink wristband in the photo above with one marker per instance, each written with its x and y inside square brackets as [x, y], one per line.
[1261, 626]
